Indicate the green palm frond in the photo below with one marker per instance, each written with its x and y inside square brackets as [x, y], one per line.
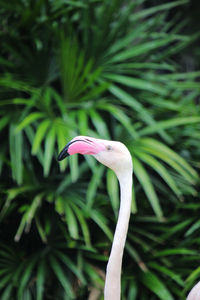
[120, 70]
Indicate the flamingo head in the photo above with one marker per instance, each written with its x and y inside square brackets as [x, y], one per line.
[112, 154]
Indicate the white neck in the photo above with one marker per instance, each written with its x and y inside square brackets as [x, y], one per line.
[112, 289]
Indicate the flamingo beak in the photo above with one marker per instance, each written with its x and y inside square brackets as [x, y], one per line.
[82, 145]
[64, 153]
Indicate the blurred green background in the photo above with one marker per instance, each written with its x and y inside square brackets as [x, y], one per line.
[120, 70]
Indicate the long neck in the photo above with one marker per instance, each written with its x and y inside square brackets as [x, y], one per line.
[113, 273]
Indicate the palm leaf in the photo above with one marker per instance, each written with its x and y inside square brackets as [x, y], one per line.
[145, 181]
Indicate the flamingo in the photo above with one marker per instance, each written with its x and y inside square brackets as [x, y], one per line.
[115, 156]
[194, 293]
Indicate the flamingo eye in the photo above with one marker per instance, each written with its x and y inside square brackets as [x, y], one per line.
[109, 147]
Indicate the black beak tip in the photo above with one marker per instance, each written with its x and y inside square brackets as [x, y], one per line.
[62, 154]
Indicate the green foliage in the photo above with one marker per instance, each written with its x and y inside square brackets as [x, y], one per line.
[108, 69]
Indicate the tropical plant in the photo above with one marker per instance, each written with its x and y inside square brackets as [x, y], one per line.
[107, 69]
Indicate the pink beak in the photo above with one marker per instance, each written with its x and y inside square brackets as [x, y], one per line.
[82, 145]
